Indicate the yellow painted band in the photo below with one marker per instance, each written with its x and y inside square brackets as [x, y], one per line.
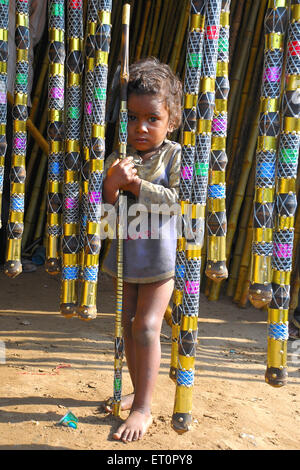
[291, 124]
[285, 185]
[189, 139]
[274, 41]
[3, 34]
[218, 143]
[197, 22]
[261, 269]
[217, 177]
[216, 250]
[263, 235]
[204, 126]
[70, 229]
[56, 69]
[277, 353]
[56, 35]
[265, 142]
[22, 20]
[222, 69]
[264, 195]
[282, 278]
[190, 101]
[69, 291]
[207, 84]
[269, 105]
[13, 250]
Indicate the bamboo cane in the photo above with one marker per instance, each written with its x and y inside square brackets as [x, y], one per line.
[177, 44]
[13, 265]
[286, 205]
[3, 93]
[55, 132]
[88, 301]
[91, 25]
[155, 26]
[216, 217]
[245, 260]
[160, 30]
[146, 41]
[238, 72]
[237, 14]
[240, 242]
[119, 344]
[191, 89]
[182, 414]
[143, 30]
[72, 162]
[260, 291]
[254, 55]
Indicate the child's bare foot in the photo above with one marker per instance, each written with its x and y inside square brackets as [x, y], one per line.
[134, 427]
[126, 403]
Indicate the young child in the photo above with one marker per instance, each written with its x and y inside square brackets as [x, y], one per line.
[149, 175]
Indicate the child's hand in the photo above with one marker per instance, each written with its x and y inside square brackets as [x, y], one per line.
[121, 173]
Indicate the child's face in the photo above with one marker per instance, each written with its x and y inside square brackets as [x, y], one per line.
[148, 122]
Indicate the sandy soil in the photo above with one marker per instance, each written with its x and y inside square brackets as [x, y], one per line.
[53, 364]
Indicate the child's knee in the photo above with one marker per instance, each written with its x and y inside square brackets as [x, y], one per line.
[144, 333]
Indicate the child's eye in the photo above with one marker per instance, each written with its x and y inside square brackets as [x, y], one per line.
[131, 117]
[153, 119]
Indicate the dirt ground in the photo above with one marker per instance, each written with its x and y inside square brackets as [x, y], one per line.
[50, 364]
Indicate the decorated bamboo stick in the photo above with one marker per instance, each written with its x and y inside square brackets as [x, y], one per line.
[123, 120]
[13, 265]
[88, 309]
[216, 268]
[3, 91]
[286, 205]
[188, 138]
[72, 161]
[187, 340]
[56, 134]
[260, 290]
[91, 25]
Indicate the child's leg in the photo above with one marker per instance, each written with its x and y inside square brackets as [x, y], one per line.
[130, 294]
[152, 302]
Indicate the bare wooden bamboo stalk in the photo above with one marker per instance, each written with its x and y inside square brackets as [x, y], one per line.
[253, 63]
[238, 72]
[143, 30]
[155, 26]
[240, 242]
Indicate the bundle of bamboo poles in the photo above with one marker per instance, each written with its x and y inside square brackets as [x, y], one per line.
[159, 28]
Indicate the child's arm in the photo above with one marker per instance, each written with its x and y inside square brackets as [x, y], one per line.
[151, 193]
[120, 175]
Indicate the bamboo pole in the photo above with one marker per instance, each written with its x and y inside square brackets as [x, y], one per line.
[160, 28]
[145, 45]
[179, 37]
[239, 69]
[238, 198]
[245, 261]
[236, 15]
[143, 30]
[155, 25]
[255, 53]
[39, 88]
[240, 243]
[32, 129]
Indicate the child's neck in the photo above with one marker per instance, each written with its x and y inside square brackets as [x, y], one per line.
[149, 153]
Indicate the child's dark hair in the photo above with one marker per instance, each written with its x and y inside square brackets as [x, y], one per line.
[150, 76]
